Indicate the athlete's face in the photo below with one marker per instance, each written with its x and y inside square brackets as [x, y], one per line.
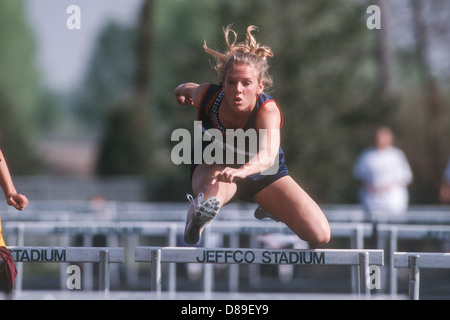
[242, 86]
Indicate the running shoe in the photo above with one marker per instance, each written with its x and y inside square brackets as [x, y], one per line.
[204, 212]
[260, 214]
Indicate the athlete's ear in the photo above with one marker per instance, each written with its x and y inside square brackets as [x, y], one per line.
[260, 87]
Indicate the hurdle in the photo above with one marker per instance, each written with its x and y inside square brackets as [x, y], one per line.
[420, 260]
[392, 233]
[350, 257]
[102, 255]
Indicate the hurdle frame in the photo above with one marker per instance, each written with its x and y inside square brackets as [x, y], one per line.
[392, 233]
[349, 257]
[104, 256]
[415, 261]
[64, 229]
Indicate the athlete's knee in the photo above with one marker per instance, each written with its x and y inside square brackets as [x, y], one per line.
[321, 236]
[223, 191]
[319, 241]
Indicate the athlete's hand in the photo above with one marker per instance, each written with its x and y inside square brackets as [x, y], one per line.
[184, 100]
[184, 93]
[18, 201]
[229, 175]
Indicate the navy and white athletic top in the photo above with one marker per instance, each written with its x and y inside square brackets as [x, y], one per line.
[208, 114]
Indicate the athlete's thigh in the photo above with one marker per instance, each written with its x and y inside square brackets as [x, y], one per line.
[288, 202]
[202, 175]
[201, 182]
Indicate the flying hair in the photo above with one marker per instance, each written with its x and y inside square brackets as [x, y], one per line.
[246, 52]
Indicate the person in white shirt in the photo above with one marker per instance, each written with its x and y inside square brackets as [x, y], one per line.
[385, 174]
[444, 194]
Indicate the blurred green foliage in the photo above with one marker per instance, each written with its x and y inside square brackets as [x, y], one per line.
[19, 88]
[110, 76]
[325, 81]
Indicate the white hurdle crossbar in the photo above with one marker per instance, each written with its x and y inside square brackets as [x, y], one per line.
[350, 257]
[420, 260]
[102, 255]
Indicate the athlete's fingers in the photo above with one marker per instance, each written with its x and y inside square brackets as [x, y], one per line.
[21, 201]
[181, 99]
[229, 177]
[10, 201]
[226, 175]
[218, 177]
[184, 100]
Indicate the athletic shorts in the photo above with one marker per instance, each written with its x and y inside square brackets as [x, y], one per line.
[247, 188]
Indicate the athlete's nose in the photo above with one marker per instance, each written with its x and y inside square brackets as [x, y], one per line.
[238, 87]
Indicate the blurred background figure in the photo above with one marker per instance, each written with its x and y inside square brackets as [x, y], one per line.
[384, 173]
[444, 194]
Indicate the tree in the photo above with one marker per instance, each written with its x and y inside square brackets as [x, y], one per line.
[127, 144]
[326, 82]
[126, 147]
[425, 114]
[334, 79]
[110, 76]
[18, 88]
[324, 70]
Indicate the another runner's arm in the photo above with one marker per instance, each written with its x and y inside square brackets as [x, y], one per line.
[190, 93]
[14, 199]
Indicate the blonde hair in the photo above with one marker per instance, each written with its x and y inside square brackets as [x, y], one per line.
[248, 52]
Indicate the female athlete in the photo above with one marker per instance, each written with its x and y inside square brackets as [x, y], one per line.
[239, 102]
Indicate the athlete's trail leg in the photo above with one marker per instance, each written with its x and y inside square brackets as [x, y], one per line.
[288, 202]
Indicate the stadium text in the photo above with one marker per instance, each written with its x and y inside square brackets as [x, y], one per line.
[38, 255]
[267, 257]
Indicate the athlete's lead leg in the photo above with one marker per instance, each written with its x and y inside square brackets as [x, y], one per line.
[209, 199]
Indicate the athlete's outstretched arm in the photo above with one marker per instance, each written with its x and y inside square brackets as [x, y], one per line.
[190, 93]
[185, 92]
[14, 199]
[268, 125]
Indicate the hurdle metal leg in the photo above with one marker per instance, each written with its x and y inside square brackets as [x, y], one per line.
[233, 271]
[156, 270]
[208, 269]
[393, 235]
[356, 242]
[88, 268]
[20, 234]
[172, 241]
[64, 240]
[104, 271]
[414, 277]
[364, 273]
